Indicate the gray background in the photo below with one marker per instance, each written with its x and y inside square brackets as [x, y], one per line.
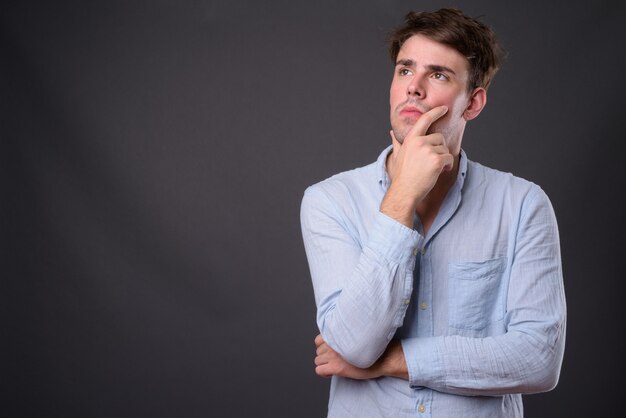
[154, 154]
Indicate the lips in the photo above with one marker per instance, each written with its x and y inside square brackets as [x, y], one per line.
[410, 111]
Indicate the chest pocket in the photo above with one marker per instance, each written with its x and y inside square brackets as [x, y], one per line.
[474, 293]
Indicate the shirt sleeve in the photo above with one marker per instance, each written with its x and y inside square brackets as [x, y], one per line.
[362, 289]
[525, 359]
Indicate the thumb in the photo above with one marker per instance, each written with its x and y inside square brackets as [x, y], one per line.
[318, 340]
[396, 144]
[397, 149]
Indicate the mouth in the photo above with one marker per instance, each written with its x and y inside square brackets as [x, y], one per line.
[410, 112]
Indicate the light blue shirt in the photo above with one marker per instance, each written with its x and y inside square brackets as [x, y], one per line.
[478, 303]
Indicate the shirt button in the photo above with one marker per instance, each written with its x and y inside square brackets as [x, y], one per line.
[415, 251]
[421, 409]
[407, 301]
[423, 306]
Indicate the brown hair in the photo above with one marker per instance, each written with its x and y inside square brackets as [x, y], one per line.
[467, 35]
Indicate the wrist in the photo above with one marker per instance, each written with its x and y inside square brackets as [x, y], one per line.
[392, 363]
[398, 205]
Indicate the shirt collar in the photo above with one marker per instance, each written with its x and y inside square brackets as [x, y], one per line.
[381, 169]
[462, 175]
[383, 177]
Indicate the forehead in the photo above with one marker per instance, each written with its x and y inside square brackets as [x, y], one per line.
[427, 52]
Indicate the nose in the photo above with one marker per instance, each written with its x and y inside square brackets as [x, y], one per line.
[415, 88]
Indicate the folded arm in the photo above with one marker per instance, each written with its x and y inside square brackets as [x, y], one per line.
[362, 284]
[525, 359]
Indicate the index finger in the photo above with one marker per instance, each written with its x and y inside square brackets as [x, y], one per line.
[423, 123]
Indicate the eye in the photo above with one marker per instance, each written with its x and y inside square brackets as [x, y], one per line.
[404, 71]
[440, 76]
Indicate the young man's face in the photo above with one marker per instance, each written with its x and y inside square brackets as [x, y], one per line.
[429, 74]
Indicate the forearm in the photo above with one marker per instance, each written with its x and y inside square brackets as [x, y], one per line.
[460, 365]
[515, 362]
[329, 363]
[392, 362]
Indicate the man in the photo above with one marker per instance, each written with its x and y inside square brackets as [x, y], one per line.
[437, 280]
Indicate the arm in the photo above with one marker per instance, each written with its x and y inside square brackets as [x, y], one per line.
[362, 289]
[527, 358]
[329, 363]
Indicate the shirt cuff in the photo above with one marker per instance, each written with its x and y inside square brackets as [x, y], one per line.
[423, 362]
[393, 240]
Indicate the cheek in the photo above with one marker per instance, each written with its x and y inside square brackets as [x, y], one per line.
[397, 92]
[459, 102]
[443, 98]
[393, 96]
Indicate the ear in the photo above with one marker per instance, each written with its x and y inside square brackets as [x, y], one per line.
[477, 101]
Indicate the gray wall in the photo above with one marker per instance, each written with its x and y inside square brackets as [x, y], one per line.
[154, 154]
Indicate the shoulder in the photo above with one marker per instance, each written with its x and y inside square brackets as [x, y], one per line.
[492, 185]
[345, 182]
[335, 200]
[480, 176]
[356, 185]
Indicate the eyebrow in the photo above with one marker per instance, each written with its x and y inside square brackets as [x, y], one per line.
[432, 67]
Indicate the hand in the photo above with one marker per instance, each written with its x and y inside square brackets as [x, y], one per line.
[329, 363]
[414, 167]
